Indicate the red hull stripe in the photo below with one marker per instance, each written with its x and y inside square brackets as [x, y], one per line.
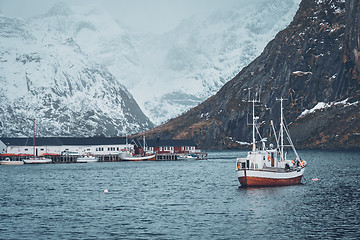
[257, 181]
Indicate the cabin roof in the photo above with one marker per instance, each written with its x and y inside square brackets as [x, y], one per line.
[166, 142]
[92, 140]
[67, 141]
[50, 141]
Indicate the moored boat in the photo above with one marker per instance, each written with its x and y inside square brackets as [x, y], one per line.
[269, 167]
[37, 160]
[87, 159]
[130, 157]
[8, 161]
[187, 157]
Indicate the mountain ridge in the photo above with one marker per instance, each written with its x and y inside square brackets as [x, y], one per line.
[308, 62]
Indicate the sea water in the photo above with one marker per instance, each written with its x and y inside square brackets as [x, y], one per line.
[197, 199]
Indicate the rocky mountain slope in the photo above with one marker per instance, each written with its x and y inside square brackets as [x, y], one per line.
[314, 60]
[45, 75]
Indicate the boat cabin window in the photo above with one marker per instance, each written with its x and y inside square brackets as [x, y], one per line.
[243, 165]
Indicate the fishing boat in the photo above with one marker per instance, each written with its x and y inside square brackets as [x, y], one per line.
[143, 155]
[87, 159]
[270, 166]
[132, 157]
[8, 161]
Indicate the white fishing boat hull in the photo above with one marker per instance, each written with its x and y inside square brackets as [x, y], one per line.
[265, 177]
[186, 157]
[37, 160]
[139, 158]
[87, 159]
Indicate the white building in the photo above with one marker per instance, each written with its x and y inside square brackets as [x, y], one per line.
[65, 145]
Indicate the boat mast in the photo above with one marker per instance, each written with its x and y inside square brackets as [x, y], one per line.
[144, 142]
[34, 137]
[281, 130]
[253, 127]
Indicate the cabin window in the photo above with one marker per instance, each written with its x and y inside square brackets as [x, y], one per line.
[26, 149]
[41, 149]
[160, 148]
[256, 166]
[264, 158]
[243, 165]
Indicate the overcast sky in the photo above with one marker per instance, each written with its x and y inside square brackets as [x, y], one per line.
[151, 15]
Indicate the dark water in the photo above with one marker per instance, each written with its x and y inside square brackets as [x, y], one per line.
[179, 200]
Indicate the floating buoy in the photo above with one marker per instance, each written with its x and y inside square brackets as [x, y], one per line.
[315, 179]
[106, 191]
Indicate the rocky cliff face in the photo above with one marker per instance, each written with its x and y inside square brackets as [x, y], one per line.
[315, 59]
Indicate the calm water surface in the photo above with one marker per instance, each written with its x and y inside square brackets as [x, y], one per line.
[179, 200]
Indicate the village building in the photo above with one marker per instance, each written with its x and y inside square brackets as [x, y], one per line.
[65, 145]
[166, 146]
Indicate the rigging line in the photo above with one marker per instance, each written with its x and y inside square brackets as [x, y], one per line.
[290, 141]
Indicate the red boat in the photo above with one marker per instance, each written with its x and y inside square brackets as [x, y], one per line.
[269, 167]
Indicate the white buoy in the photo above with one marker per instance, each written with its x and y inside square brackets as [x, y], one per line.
[106, 191]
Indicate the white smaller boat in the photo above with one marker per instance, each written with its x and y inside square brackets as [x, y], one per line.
[37, 160]
[87, 159]
[187, 157]
[8, 161]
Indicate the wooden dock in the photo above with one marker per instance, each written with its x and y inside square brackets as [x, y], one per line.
[111, 158]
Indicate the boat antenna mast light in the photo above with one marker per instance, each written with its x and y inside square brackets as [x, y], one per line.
[255, 124]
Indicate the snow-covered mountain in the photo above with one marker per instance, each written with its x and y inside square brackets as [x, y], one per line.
[51, 63]
[173, 72]
[45, 75]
